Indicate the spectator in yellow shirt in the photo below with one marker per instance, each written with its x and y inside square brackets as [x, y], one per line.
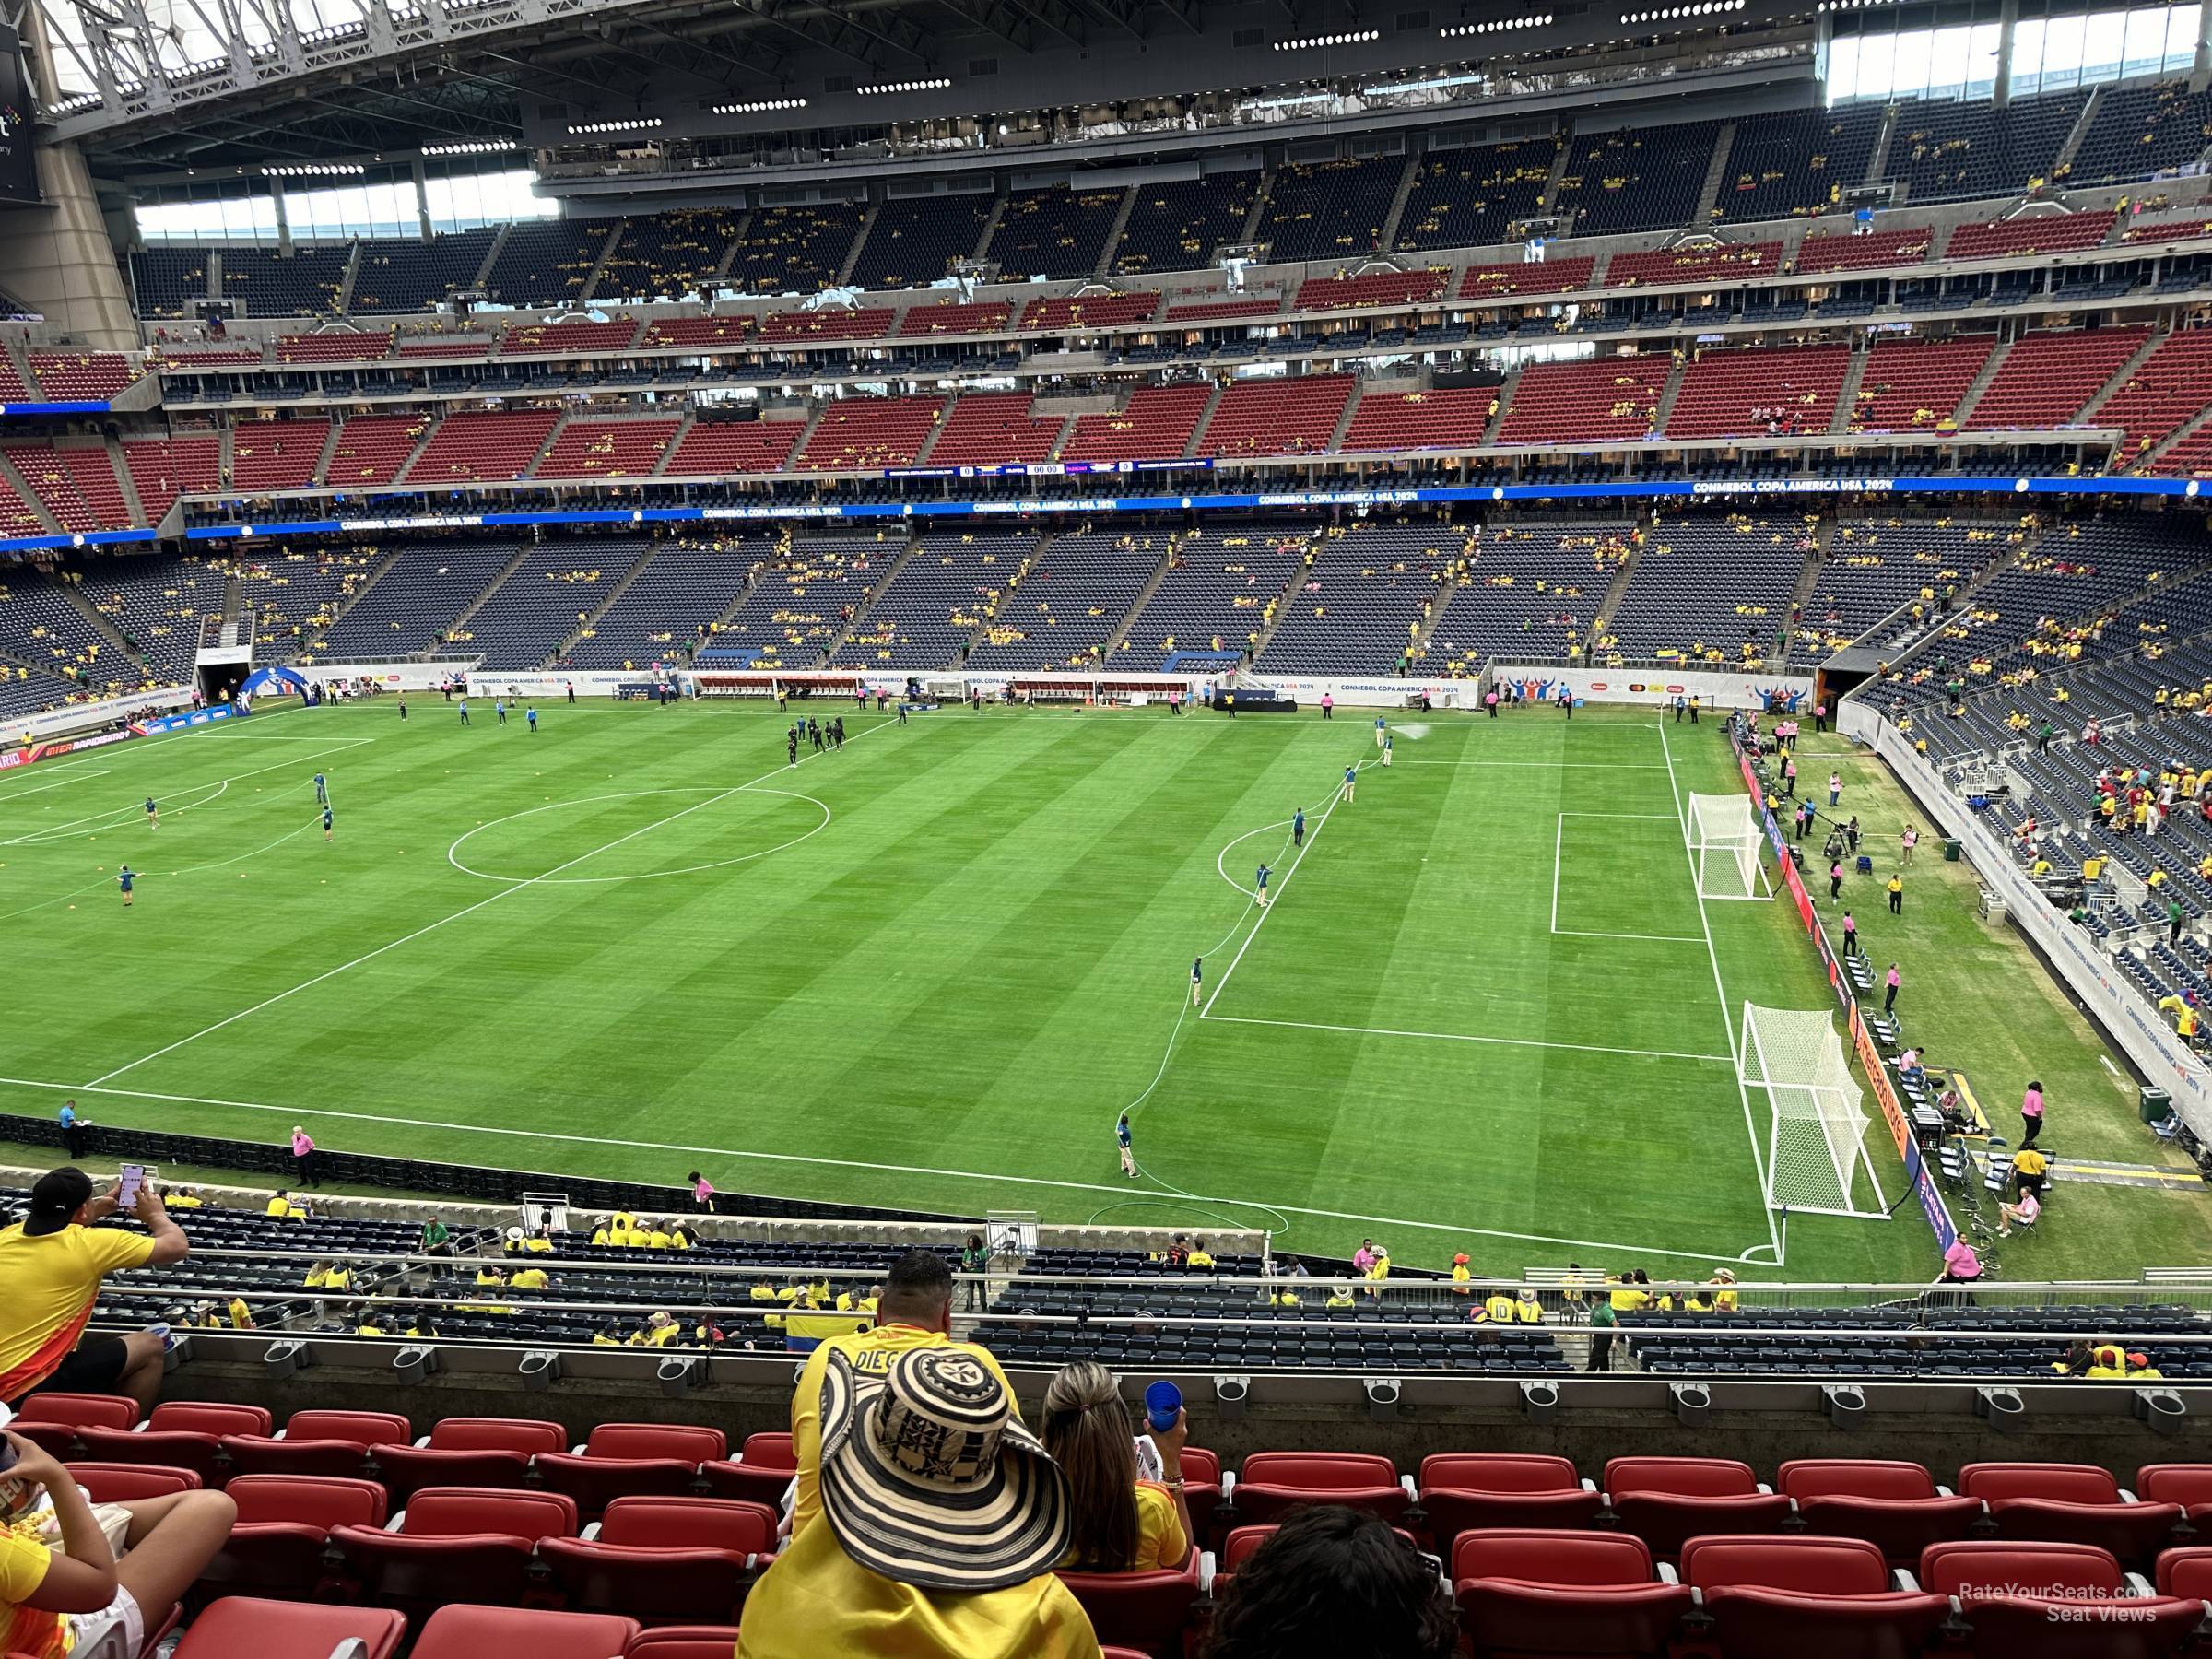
[529, 1278]
[1121, 1523]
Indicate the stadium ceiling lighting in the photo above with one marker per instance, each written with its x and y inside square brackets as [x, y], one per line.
[1358, 37]
[937, 84]
[1495, 26]
[480, 146]
[315, 170]
[1683, 14]
[761, 107]
[640, 124]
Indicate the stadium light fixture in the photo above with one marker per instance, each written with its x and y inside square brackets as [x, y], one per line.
[640, 123]
[937, 84]
[315, 170]
[761, 106]
[1495, 26]
[1357, 37]
[475, 147]
[1684, 13]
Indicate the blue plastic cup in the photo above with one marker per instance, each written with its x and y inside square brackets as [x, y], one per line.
[1163, 1404]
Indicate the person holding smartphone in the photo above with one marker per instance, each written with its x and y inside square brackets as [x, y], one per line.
[51, 1266]
[74, 1596]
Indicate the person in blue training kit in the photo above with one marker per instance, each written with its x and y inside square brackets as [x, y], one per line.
[1298, 827]
[1379, 725]
[464, 711]
[123, 878]
[327, 824]
[153, 814]
[499, 711]
[532, 717]
[1351, 776]
[1197, 978]
[322, 790]
[1389, 741]
[1262, 879]
[1121, 1139]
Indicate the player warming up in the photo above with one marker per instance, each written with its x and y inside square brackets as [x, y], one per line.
[1351, 779]
[326, 822]
[153, 814]
[1121, 1139]
[464, 707]
[322, 790]
[1197, 976]
[123, 878]
[1298, 827]
[1260, 892]
[531, 715]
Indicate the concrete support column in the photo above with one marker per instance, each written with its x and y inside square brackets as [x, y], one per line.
[58, 258]
[284, 219]
[422, 199]
[2007, 20]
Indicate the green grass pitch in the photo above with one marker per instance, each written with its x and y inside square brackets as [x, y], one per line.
[1485, 1011]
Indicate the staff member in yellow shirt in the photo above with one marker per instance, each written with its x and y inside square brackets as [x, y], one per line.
[51, 1266]
[915, 1312]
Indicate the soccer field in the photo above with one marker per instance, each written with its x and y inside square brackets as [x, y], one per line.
[1485, 1011]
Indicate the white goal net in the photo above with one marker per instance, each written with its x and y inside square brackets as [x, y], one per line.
[1723, 845]
[1817, 1132]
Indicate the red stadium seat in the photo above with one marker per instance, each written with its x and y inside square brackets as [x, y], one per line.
[270, 1630]
[52, 1421]
[454, 1544]
[666, 1560]
[1145, 1611]
[131, 1483]
[1462, 1492]
[464, 1451]
[1538, 1590]
[1895, 1505]
[468, 1632]
[761, 1473]
[623, 1460]
[684, 1642]
[2070, 1503]
[1812, 1598]
[2083, 1607]
[1665, 1501]
[2189, 1485]
[183, 1434]
[284, 1524]
[317, 1442]
[1274, 1483]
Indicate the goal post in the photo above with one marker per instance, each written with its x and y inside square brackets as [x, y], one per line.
[1817, 1119]
[1723, 845]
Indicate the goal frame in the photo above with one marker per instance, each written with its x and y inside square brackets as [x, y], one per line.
[1817, 1120]
[1723, 838]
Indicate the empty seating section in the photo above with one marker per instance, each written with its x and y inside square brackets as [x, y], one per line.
[530, 615]
[1177, 225]
[43, 627]
[333, 346]
[412, 604]
[1876, 566]
[863, 433]
[78, 486]
[954, 319]
[914, 240]
[935, 603]
[1329, 209]
[1358, 607]
[696, 333]
[546, 262]
[1785, 389]
[165, 281]
[1158, 425]
[1448, 418]
[295, 596]
[155, 602]
[716, 447]
[475, 445]
[607, 449]
[1609, 399]
[266, 282]
[2139, 131]
[1474, 197]
[1289, 415]
[371, 449]
[1072, 602]
[801, 599]
[1729, 262]
[1076, 312]
[1635, 177]
[670, 604]
[2019, 238]
[2190, 458]
[667, 255]
[1796, 161]
[1711, 589]
[2167, 389]
[1218, 311]
[163, 468]
[831, 322]
[14, 388]
[987, 429]
[2073, 571]
[1947, 151]
[1378, 287]
[1913, 386]
[1873, 250]
[798, 250]
[2046, 378]
[568, 339]
[1531, 593]
[407, 275]
[82, 376]
[1053, 233]
[18, 516]
[1538, 276]
[268, 456]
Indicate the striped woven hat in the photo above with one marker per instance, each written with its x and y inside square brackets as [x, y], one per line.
[929, 1479]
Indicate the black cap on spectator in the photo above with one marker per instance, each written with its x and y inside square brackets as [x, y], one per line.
[59, 1194]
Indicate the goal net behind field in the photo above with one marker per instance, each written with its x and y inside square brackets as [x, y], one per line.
[1816, 1121]
[1723, 845]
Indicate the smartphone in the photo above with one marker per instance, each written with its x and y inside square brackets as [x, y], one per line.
[134, 1182]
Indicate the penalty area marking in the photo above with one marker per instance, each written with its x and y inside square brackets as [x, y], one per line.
[1584, 1048]
[452, 853]
[1558, 861]
[813, 1160]
[63, 777]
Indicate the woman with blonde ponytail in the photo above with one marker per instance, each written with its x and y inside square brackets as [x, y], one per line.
[1121, 1523]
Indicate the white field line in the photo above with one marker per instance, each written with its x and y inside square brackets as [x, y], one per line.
[505, 892]
[1584, 933]
[1558, 861]
[47, 832]
[1705, 923]
[63, 777]
[1583, 1048]
[1561, 765]
[1119, 1189]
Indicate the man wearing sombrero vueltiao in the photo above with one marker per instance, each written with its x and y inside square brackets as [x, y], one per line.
[943, 1519]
